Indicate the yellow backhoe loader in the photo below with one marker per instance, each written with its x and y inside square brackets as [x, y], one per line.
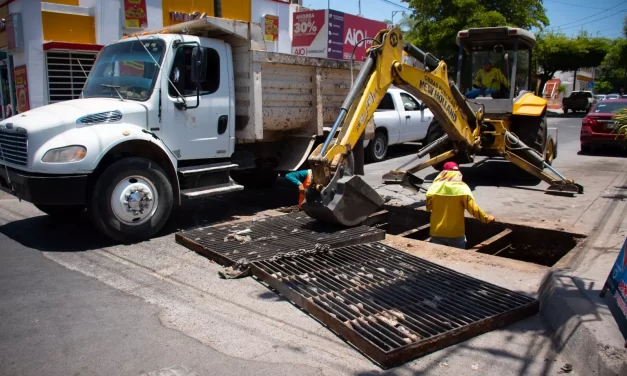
[510, 124]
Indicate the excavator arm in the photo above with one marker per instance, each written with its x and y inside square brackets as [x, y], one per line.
[338, 195]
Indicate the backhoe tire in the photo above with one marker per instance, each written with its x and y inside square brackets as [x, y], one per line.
[531, 131]
[255, 178]
[435, 131]
[131, 200]
[62, 211]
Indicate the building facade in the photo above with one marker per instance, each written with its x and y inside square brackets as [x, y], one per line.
[47, 48]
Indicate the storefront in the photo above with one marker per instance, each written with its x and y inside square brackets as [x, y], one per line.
[47, 48]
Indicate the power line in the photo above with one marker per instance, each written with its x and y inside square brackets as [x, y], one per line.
[585, 18]
[598, 19]
[572, 5]
[395, 4]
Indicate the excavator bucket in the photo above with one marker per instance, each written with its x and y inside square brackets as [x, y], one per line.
[347, 202]
[404, 179]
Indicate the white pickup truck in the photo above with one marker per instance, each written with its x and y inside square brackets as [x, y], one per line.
[167, 116]
[399, 118]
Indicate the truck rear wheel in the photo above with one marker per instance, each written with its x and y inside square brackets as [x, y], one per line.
[61, 211]
[131, 200]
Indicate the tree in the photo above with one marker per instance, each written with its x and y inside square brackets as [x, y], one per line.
[435, 23]
[557, 52]
[614, 66]
[603, 87]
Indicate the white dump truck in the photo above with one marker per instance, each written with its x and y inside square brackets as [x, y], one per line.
[167, 116]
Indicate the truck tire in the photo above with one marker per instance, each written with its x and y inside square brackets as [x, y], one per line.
[377, 148]
[565, 110]
[255, 178]
[132, 200]
[61, 211]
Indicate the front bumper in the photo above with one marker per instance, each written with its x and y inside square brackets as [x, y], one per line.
[44, 189]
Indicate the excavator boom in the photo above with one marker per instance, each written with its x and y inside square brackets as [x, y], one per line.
[337, 194]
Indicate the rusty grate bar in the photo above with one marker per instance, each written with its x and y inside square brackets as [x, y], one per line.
[271, 236]
[390, 305]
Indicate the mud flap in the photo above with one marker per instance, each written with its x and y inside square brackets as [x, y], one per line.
[347, 202]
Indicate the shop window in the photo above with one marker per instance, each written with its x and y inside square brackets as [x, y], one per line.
[67, 72]
[181, 74]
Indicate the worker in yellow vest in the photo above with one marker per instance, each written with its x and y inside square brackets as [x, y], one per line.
[447, 198]
[488, 81]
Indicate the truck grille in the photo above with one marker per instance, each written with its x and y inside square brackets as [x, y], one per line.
[13, 148]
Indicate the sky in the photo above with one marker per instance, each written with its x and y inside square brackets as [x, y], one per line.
[599, 18]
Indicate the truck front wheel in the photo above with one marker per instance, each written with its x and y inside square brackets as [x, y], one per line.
[132, 200]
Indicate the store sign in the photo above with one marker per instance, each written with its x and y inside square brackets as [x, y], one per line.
[332, 34]
[21, 89]
[271, 28]
[15, 32]
[184, 17]
[617, 280]
[135, 14]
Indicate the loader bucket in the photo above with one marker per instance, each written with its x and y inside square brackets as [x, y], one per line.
[406, 180]
[348, 202]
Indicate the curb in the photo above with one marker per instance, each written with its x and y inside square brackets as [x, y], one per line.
[562, 306]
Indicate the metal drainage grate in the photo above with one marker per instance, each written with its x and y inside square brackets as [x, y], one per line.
[271, 236]
[390, 305]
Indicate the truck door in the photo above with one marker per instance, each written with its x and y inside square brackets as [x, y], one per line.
[414, 126]
[204, 131]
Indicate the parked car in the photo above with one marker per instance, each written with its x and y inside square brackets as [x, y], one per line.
[399, 118]
[613, 96]
[598, 128]
[600, 97]
[579, 101]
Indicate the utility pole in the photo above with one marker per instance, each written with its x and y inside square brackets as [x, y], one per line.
[393, 13]
[359, 6]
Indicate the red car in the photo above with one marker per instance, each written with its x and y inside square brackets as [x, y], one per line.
[598, 128]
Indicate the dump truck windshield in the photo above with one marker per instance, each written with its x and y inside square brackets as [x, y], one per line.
[125, 70]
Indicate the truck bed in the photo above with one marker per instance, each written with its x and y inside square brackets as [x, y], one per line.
[279, 95]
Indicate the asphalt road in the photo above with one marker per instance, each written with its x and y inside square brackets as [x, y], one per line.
[73, 303]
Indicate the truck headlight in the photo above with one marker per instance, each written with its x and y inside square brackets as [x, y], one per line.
[66, 154]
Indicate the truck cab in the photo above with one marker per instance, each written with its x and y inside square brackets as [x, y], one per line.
[169, 116]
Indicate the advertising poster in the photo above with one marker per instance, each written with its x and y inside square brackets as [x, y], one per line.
[332, 34]
[617, 280]
[336, 35]
[271, 28]
[21, 89]
[309, 33]
[135, 14]
[355, 29]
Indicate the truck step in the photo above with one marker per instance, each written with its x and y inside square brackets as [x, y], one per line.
[196, 193]
[207, 168]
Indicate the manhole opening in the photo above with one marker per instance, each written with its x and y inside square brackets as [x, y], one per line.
[525, 243]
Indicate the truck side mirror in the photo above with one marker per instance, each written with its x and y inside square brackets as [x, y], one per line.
[423, 106]
[199, 65]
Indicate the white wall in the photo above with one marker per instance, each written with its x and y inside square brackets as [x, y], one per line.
[33, 53]
[108, 21]
[263, 7]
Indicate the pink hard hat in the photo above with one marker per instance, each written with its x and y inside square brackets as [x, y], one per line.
[451, 166]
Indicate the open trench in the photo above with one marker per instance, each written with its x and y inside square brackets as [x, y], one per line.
[392, 306]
